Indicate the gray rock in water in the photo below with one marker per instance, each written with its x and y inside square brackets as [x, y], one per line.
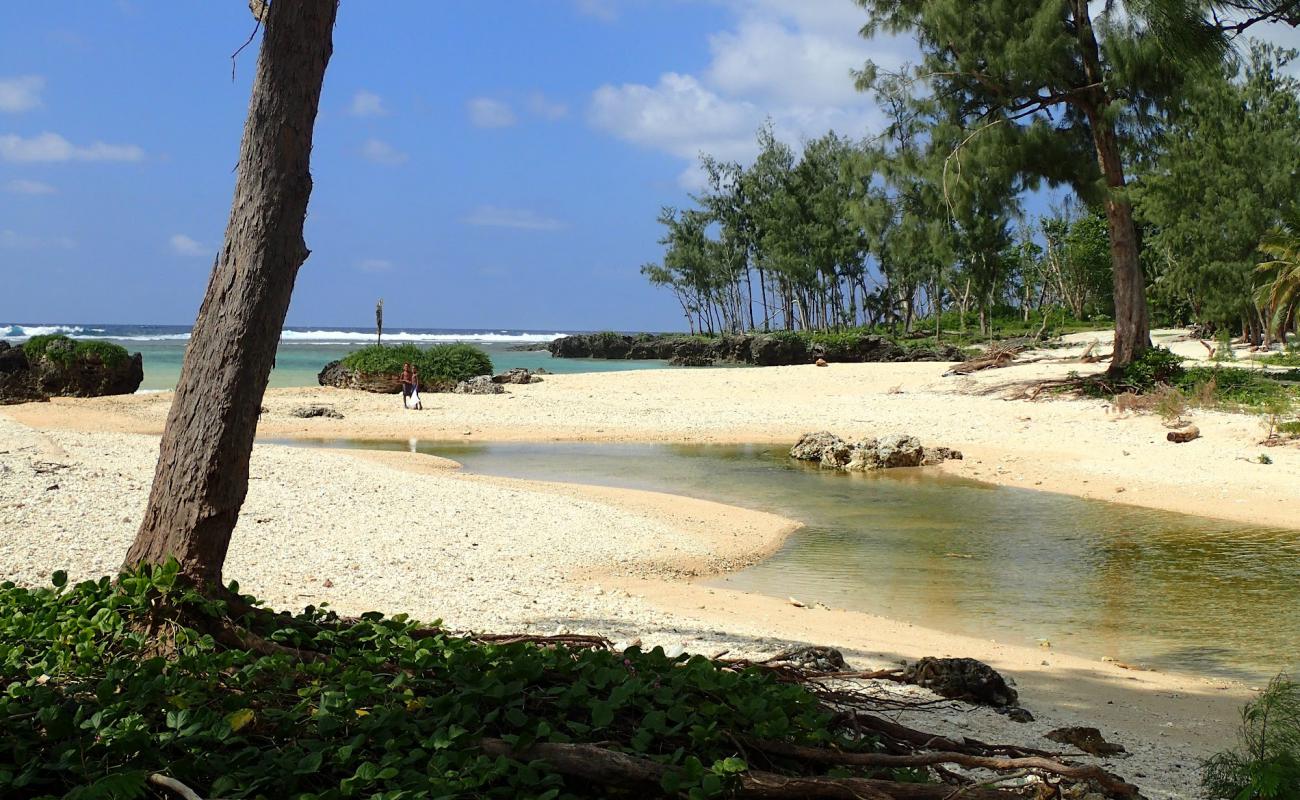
[308, 412]
[811, 445]
[900, 450]
[479, 384]
[962, 679]
[865, 456]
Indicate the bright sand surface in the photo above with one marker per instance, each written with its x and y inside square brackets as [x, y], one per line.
[495, 554]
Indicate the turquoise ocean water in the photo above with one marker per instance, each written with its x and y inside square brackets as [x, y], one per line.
[303, 351]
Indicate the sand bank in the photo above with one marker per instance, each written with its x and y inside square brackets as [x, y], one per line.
[1078, 447]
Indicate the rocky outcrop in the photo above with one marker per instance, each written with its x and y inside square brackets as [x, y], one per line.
[886, 452]
[761, 349]
[962, 679]
[517, 375]
[480, 384]
[65, 369]
[1089, 740]
[341, 377]
[310, 412]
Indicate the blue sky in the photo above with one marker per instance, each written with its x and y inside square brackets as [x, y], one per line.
[495, 163]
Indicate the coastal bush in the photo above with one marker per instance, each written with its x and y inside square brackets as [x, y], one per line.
[92, 709]
[1233, 387]
[1267, 765]
[1154, 367]
[453, 362]
[64, 350]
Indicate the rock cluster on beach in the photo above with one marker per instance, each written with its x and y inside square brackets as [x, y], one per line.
[760, 349]
[60, 374]
[886, 452]
[341, 377]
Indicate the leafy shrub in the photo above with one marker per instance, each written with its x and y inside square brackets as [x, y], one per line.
[1153, 367]
[1223, 352]
[1232, 386]
[1268, 763]
[452, 362]
[64, 350]
[384, 714]
[1290, 358]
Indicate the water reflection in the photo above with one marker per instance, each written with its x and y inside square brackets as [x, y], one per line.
[1015, 565]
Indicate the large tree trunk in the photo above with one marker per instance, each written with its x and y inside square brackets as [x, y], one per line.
[1132, 327]
[202, 473]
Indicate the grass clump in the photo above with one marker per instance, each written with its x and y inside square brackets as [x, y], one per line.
[1267, 764]
[1289, 358]
[65, 350]
[450, 362]
[91, 710]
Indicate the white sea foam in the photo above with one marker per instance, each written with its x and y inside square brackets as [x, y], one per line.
[28, 331]
[300, 337]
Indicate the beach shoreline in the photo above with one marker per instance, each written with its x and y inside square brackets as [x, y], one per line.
[634, 571]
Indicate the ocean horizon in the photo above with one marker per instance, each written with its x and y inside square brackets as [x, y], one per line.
[305, 349]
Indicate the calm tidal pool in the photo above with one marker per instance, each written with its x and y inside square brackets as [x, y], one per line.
[1093, 578]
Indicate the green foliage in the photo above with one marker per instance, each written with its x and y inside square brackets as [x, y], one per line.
[1263, 458]
[89, 709]
[1234, 388]
[65, 350]
[1154, 367]
[1289, 358]
[451, 362]
[1267, 764]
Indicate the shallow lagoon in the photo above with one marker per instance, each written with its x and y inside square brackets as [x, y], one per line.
[1092, 578]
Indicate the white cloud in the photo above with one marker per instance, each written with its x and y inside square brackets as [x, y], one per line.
[12, 240]
[22, 186]
[183, 245]
[22, 93]
[367, 104]
[520, 219]
[784, 61]
[542, 106]
[679, 115]
[381, 152]
[485, 112]
[52, 147]
[374, 265]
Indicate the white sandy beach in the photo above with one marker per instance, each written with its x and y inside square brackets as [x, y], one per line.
[503, 555]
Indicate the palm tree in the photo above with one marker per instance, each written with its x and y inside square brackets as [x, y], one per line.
[1282, 292]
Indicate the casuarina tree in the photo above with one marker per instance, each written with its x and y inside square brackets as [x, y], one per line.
[1075, 81]
[202, 473]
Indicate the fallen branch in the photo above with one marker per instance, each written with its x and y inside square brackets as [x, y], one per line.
[606, 767]
[173, 785]
[817, 755]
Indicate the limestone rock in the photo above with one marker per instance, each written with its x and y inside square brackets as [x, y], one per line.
[821, 659]
[64, 371]
[309, 412]
[962, 679]
[517, 375]
[480, 384]
[1089, 740]
[811, 445]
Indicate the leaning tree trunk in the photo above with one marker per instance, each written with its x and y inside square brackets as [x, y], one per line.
[202, 473]
[1132, 327]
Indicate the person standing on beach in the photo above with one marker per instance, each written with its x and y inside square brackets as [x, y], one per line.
[408, 383]
[415, 389]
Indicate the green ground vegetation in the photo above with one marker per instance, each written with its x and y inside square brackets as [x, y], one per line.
[453, 362]
[65, 350]
[385, 709]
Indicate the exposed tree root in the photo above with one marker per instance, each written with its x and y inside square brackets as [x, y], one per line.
[611, 768]
[816, 755]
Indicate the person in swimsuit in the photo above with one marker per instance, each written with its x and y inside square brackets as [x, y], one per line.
[408, 383]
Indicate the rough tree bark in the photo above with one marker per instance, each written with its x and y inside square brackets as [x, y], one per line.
[1132, 326]
[202, 473]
